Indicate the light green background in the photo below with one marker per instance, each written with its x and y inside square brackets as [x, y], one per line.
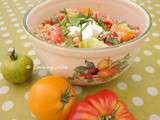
[139, 87]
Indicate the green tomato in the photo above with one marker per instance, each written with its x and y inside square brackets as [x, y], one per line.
[17, 68]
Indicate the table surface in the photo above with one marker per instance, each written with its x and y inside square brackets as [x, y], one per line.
[139, 87]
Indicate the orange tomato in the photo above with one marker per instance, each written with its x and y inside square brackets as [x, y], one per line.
[129, 35]
[124, 32]
[51, 98]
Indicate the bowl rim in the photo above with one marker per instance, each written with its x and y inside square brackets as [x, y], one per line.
[140, 37]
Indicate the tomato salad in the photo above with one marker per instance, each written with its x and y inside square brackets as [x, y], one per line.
[85, 28]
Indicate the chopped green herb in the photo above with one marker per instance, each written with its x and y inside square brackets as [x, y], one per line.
[100, 23]
[114, 41]
[104, 19]
[56, 21]
[85, 26]
[68, 42]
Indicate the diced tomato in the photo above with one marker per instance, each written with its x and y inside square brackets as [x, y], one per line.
[109, 25]
[57, 29]
[56, 34]
[106, 20]
[59, 17]
[110, 35]
[49, 21]
[56, 38]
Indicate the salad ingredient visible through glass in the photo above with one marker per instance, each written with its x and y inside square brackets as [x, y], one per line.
[85, 28]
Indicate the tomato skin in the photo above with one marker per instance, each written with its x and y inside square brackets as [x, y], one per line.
[108, 23]
[56, 38]
[93, 107]
[59, 17]
[105, 19]
[56, 34]
[45, 98]
[49, 21]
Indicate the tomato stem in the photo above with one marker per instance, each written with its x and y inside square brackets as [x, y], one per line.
[12, 54]
[110, 117]
[65, 97]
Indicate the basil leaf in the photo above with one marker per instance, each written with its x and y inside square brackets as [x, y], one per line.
[85, 26]
[100, 23]
[54, 20]
[104, 19]
[68, 43]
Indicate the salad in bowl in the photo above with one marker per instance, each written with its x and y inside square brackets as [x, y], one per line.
[85, 28]
[90, 42]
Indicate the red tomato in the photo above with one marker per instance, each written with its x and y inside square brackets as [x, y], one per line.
[59, 17]
[49, 21]
[56, 34]
[56, 38]
[104, 105]
[110, 35]
[106, 20]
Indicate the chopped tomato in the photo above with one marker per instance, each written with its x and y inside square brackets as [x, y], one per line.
[56, 34]
[108, 23]
[110, 35]
[59, 17]
[49, 21]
